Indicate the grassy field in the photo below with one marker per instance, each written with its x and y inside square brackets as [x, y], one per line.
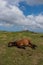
[16, 56]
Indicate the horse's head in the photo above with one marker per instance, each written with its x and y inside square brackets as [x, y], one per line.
[10, 44]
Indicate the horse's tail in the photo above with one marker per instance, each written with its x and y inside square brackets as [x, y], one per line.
[33, 46]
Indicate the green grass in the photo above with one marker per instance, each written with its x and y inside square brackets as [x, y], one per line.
[16, 56]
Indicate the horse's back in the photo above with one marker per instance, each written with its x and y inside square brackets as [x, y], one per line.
[24, 41]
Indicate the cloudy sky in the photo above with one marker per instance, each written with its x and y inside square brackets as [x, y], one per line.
[16, 15]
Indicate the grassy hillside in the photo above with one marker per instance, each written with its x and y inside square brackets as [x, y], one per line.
[16, 56]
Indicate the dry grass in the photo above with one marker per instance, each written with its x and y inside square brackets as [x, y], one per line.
[16, 56]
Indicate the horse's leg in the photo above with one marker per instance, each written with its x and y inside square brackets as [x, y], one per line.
[23, 47]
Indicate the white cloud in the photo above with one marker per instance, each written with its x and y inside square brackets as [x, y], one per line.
[13, 15]
[29, 2]
[34, 2]
[2, 3]
[14, 2]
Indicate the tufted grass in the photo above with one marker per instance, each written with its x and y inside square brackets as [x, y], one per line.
[16, 56]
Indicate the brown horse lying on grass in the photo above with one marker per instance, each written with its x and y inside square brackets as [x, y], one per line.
[22, 43]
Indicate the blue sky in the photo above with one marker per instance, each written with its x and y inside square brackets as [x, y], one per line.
[17, 15]
[28, 10]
